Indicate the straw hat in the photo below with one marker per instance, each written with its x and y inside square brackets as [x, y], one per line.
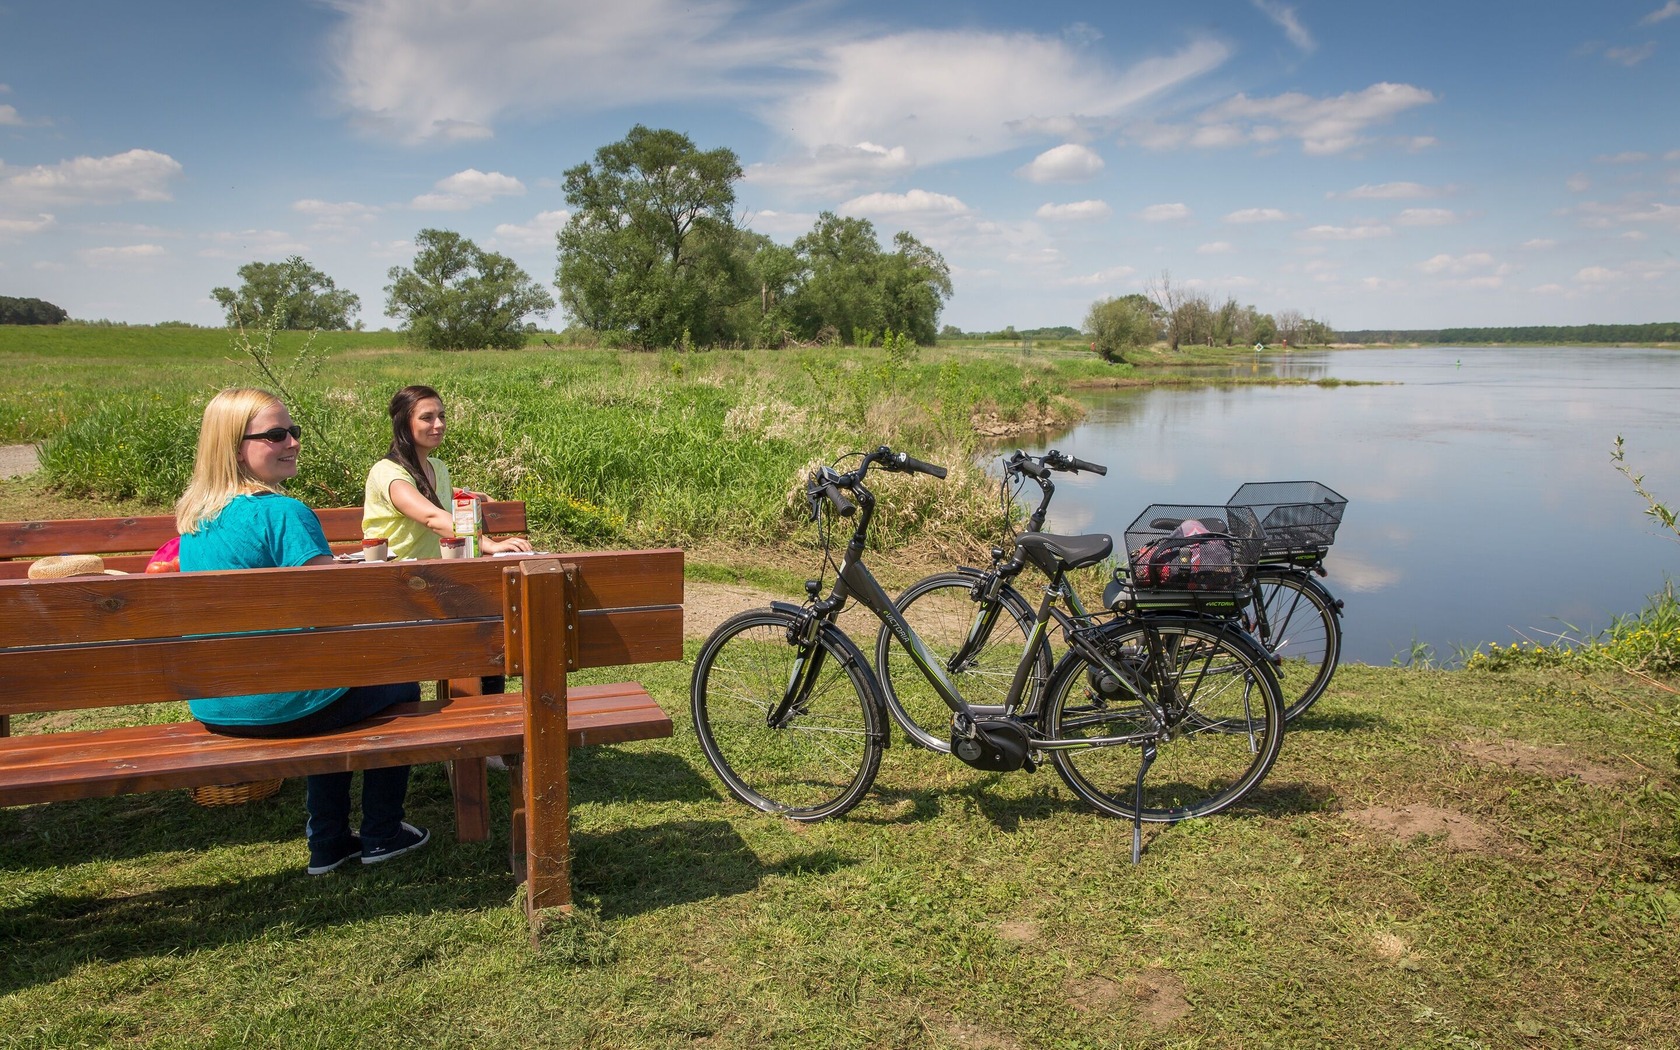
[58, 566]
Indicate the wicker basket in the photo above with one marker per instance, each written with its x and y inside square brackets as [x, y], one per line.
[235, 794]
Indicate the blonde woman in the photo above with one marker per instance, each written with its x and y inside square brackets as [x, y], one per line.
[236, 515]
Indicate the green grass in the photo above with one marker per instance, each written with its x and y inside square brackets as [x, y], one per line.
[951, 909]
[605, 447]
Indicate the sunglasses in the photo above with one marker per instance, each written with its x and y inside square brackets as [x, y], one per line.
[276, 434]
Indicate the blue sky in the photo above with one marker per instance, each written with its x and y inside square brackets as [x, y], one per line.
[1375, 165]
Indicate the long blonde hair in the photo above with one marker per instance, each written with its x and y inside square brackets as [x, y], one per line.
[218, 475]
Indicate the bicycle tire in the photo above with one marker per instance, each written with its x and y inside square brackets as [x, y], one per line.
[943, 609]
[823, 760]
[1303, 633]
[1222, 748]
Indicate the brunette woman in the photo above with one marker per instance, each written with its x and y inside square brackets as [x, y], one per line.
[408, 494]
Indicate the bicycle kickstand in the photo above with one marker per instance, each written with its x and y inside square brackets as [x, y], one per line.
[1137, 803]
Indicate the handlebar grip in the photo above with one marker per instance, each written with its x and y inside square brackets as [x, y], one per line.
[907, 462]
[1030, 468]
[844, 506]
[1094, 468]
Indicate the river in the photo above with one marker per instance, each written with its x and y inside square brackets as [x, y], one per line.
[1483, 505]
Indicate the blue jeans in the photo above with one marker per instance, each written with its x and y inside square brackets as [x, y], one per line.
[327, 795]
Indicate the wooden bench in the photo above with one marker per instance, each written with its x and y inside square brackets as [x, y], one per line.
[127, 543]
[122, 641]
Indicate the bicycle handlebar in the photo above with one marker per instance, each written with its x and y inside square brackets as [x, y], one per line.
[903, 461]
[1038, 467]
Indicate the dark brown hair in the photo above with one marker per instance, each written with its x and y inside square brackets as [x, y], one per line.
[403, 452]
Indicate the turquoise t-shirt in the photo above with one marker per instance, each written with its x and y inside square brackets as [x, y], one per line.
[263, 531]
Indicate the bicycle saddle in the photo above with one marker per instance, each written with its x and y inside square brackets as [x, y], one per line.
[1055, 554]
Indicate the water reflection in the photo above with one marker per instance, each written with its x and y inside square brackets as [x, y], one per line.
[1482, 502]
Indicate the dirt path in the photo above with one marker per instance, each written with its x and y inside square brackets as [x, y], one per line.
[18, 460]
[705, 605]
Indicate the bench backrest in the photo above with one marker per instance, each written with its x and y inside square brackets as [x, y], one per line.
[116, 538]
[111, 641]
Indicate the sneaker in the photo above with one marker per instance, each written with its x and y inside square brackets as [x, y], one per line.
[325, 859]
[407, 839]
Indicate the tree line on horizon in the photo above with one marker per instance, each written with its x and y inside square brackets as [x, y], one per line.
[1658, 332]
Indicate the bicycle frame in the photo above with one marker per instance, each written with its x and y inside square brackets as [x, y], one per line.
[854, 581]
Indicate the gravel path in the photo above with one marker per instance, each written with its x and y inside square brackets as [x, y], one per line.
[17, 460]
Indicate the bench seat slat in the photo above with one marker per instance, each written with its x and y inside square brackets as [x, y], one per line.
[34, 539]
[96, 763]
[104, 608]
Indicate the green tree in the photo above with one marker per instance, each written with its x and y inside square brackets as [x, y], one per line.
[1120, 324]
[854, 287]
[650, 248]
[30, 311]
[459, 297]
[290, 294]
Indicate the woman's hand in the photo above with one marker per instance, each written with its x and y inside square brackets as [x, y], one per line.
[506, 545]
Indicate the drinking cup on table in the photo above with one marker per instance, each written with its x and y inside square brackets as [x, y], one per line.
[374, 549]
[453, 547]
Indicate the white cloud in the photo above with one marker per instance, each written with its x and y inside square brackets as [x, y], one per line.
[1458, 265]
[1673, 154]
[915, 202]
[1284, 16]
[788, 224]
[1110, 275]
[123, 255]
[829, 171]
[1663, 13]
[1578, 183]
[468, 188]
[1323, 126]
[336, 217]
[447, 70]
[1627, 157]
[1426, 217]
[536, 234]
[137, 175]
[1069, 162]
[1361, 232]
[1538, 244]
[1630, 56]
[1384, 191]
[9, 117]
[1164, 213]
[421, 70]
[1250, 215]
[18, 227]
[1077, 211]
[1216, 248]
[1597, 215]
[243, 244]
[921, 89]
[1596, 275]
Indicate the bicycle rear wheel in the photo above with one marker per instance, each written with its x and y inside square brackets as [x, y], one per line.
[1303, 632]
[978, 642]
[817, 759]
[1212, 750]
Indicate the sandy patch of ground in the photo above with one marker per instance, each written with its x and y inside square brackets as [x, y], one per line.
[1545, 761]
[1460, 833]
[705, 605]
[18, 460]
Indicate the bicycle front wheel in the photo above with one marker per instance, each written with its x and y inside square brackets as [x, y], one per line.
[812, 758]
[977, 641]
[1303, 632]
[1213, 743]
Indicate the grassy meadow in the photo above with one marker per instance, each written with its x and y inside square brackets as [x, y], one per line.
[1483, 857]
[1439, 859]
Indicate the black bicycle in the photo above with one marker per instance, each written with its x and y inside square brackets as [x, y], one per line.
[977, 619]
[1156, 718]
